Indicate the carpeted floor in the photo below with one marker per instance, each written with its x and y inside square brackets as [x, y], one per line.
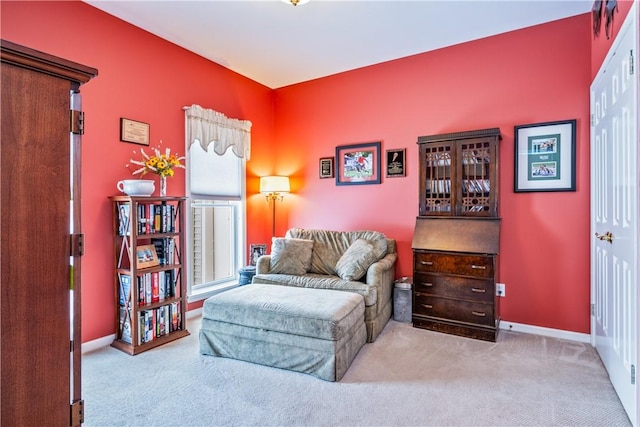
[408, 377]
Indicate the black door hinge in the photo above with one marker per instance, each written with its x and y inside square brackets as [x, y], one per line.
[77, 122]
[77, 413]
[77, 244]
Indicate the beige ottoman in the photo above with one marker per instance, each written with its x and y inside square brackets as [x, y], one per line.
[313, 331]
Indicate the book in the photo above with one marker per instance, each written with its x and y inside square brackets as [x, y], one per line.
[125, 325]
[124, 219]
[125, 289]
[155, 287]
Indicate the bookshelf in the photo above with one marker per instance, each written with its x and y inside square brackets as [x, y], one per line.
[150, 294]
[457, 234]
[458, 174]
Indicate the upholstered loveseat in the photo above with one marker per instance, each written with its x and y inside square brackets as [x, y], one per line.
[362, 262]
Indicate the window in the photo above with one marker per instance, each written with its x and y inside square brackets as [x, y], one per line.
[216, 208]
[215, 226]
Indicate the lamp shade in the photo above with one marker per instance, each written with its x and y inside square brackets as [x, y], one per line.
[274, 184]
[296, 2]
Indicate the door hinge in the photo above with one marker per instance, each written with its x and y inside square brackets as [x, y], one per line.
[593, 309]
[631, 64]
[592, 119]
[77, 413]
[77, 244]
[633, 374]
[77, 122]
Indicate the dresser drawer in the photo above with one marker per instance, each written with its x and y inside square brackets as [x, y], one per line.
[481, 290]
[456, 310]
[463, 264]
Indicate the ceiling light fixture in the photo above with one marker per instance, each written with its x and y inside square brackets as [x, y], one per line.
[296, 2]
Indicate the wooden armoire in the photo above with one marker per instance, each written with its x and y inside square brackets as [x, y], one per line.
[41, 240]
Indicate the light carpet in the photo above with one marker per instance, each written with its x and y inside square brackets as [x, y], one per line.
[407, 377]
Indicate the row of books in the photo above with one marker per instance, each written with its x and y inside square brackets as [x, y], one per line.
[165, 250]
[152, 324]
[151, 287]
[151, 218]
[156, 287]
[477, 185]
[443, 186]
[438, 186]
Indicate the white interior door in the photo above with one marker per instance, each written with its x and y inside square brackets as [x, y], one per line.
[614, 213]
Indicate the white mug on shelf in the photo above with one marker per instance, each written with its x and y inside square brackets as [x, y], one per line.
[136, 187]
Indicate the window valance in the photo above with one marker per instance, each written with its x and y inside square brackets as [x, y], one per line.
[211, 127]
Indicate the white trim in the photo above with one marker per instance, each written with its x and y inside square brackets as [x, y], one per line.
[106, 341]
[205, 293]
[546, 332]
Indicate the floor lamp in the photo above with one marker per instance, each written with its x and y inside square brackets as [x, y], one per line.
[273, 187]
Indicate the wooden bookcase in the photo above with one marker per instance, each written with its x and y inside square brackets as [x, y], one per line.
[457, 234]
[459, 174]
[150, 293]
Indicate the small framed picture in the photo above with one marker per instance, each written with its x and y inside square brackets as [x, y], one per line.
[327, 167]
[146, 256]
[358, 164]
[396, 162]
[134, 131]
[545, 156]
[256, 251]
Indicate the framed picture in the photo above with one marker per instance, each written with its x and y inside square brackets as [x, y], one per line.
[146, 256]
[327, 167]
[545, 156]
[134, 132]
[256, 251]
[396, 162]
[358, 164]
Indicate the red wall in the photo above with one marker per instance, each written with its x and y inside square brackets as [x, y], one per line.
[501, 81]
[145, 78]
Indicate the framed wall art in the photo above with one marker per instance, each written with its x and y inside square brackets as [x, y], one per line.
[545, 156]
[256, 251]
[327, 167]
[134, 131]
[146, 256]
[396, 162]
[358, 164]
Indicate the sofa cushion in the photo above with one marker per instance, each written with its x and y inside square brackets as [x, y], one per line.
[316, 313]
[329, 246]
[290, 256]
[320, 281]
[356, 260]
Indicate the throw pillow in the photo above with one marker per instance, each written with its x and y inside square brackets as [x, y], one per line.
[356, 260]
[290, 256]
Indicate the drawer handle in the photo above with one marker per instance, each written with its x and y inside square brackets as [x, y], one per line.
[479, 267]
[429, 306]
[480, 291]
[428, 284]
[479, 313]
[426, 262]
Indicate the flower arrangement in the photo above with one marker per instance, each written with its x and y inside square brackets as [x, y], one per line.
[159, 163]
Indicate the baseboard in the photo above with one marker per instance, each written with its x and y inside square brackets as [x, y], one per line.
[105, 341]
[547, 332]
[504, 324]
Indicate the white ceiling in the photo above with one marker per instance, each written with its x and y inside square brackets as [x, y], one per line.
[277, 44]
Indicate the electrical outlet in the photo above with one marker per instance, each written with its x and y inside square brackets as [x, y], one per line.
[501, 290]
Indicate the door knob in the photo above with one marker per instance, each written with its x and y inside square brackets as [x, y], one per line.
[607, 237]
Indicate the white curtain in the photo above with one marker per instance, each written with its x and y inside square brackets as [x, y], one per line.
[211, 127]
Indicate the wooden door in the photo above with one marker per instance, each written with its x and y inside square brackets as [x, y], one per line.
[36, 249]
[614, 214]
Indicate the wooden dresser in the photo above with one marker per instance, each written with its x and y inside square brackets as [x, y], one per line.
[457, 235]
[454, 282]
